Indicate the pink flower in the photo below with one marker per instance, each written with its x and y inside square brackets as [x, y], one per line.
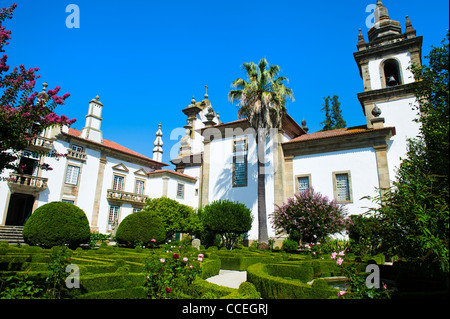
[339, 261]
[333, 255]
[341, 253]
[162, 260]
[201, 255]
[153, 240]
[200, 259]
[185, 259]
[341, 293]
[191, 266]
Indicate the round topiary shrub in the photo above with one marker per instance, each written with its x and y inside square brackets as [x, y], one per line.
[57, 224]
[140, 228]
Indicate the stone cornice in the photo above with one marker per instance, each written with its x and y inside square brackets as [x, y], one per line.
[369, 138]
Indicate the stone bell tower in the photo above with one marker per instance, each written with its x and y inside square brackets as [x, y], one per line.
[383, 62]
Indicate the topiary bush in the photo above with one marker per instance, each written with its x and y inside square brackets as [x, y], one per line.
[227, 218]
[141, 228]
[57, 224]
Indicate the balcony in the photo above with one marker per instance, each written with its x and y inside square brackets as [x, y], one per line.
[22, 183]
[41, 144]
[79, 156]
[125, 197]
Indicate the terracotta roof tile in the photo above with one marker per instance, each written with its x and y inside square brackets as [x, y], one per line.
[114, 146]
[158, 171]
[334, 133]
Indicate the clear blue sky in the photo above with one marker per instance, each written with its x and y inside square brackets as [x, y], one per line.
[146, 59]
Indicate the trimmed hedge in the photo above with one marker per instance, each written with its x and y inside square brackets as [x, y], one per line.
[141, 228]
[272, 287]
[57, 224]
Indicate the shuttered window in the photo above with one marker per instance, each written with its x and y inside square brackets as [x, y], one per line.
[180, 191]
[240, 148]
[303, 183]
[342, 187]
[139, 188]
[113, 215]
[118, 183]
[72, 175]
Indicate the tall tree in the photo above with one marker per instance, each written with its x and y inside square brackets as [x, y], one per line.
[415, 214]
[333, 116]
[23, 113]
[262, 100]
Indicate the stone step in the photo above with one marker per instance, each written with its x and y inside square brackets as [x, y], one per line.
[11, 234]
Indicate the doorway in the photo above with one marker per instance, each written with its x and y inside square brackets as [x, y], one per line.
[20, 209]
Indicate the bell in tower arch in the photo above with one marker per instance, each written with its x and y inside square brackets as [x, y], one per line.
[391, 81]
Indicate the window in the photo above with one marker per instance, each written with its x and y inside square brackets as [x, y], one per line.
[67, 201]
[342, 187]
[136, 209]
[113, 216]
[303, 183]
[77, 148]
[118, 183]
[392, 73]
[139, 187]
[72, 174]
[180, 191]
[240, 162]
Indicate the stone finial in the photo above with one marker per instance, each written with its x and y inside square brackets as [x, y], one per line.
[376, 111]
[158, 151]
[206, 92]
[410, 31]
[44, 86]
[193, 100]
[361, 41]
[304, 127]
[97, 97]
[381, 12]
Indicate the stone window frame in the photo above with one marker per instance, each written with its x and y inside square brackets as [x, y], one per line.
[119, 212]
[296, 190]
[350, 188]
[78, 176]
[383, 76]
[123, 183]
[245, 151]
[136, 180]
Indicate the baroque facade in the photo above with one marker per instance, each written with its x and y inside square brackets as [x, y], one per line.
[219, 160]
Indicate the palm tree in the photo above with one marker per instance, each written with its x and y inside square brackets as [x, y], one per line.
[261, 99]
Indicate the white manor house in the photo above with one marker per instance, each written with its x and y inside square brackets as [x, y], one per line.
[219, 160]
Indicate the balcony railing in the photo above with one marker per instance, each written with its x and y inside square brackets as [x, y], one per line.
[80, 156]
[26, 183]
[125, 197]
[41, 143]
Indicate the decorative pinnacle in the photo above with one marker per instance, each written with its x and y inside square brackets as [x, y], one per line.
[97, 97]
[44, 86]
[376, 111]
[206, 93]
[193, 100]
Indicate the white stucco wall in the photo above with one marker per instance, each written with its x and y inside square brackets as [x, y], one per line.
[363, 171]
[220, 178]
[401, 115]
[404, 59]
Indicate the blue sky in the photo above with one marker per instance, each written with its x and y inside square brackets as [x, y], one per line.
[146, 59]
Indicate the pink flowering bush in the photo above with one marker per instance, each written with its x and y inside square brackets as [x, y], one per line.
[309, 217]
[24, 112]
[165, 276]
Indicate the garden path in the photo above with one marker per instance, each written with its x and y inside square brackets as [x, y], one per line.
[229, 278]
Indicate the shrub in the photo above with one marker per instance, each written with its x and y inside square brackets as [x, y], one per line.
[309, 217]
[141, 228]
[289, 245]
[229, 219]
[365, 234]
[56, 224]
[176, 217]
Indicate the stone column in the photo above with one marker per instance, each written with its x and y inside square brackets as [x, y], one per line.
[205, 173]
[98, 193]
[382, 165]
[289, 176]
